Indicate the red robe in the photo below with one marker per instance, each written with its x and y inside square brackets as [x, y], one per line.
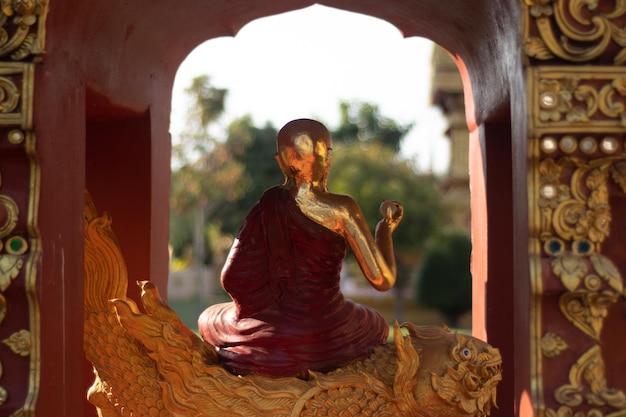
[288, 315]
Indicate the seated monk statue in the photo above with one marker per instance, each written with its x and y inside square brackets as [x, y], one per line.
[288, 315]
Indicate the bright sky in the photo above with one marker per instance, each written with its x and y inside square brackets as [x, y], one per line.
[303, 63]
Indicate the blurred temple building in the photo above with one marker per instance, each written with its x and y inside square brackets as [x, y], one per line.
[447, 94]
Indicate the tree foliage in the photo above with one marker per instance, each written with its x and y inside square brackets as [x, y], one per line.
[209, 101]
[253, 148]
[363, 122]
[206, 173]
[374, 172]
[445, 281]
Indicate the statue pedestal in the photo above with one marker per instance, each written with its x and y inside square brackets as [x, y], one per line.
[150, 364]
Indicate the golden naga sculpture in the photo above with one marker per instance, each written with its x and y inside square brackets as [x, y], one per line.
[150, 364]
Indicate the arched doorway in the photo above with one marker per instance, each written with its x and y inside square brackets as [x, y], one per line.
[111, 64]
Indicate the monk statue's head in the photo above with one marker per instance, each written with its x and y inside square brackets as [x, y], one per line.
[303, 150]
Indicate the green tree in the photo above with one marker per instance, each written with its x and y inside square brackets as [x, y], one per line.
[445, 281]
[253, 148]
[373, 172]
[209, 102]
[363, 122]
[205, 174]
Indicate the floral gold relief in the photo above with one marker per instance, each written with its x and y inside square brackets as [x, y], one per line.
[571, 269]
[587, 376]
[618, 173]
[589, 296]
[22, 29]
[575, 31]
[576, 210]
[552, 345]
[19, 342]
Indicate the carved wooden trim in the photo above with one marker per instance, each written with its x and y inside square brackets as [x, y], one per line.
[576, 152]
[22, 33]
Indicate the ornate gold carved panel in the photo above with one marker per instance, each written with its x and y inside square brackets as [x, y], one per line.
[21, 46]
[577, 169]
[577, 175]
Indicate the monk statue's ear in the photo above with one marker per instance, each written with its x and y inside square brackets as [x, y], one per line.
[281, 162]
[286, 170]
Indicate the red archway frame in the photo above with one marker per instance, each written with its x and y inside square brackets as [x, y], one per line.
[102, 104]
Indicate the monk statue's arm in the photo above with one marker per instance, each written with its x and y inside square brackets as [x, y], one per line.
[374, 255]
[341, 214]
